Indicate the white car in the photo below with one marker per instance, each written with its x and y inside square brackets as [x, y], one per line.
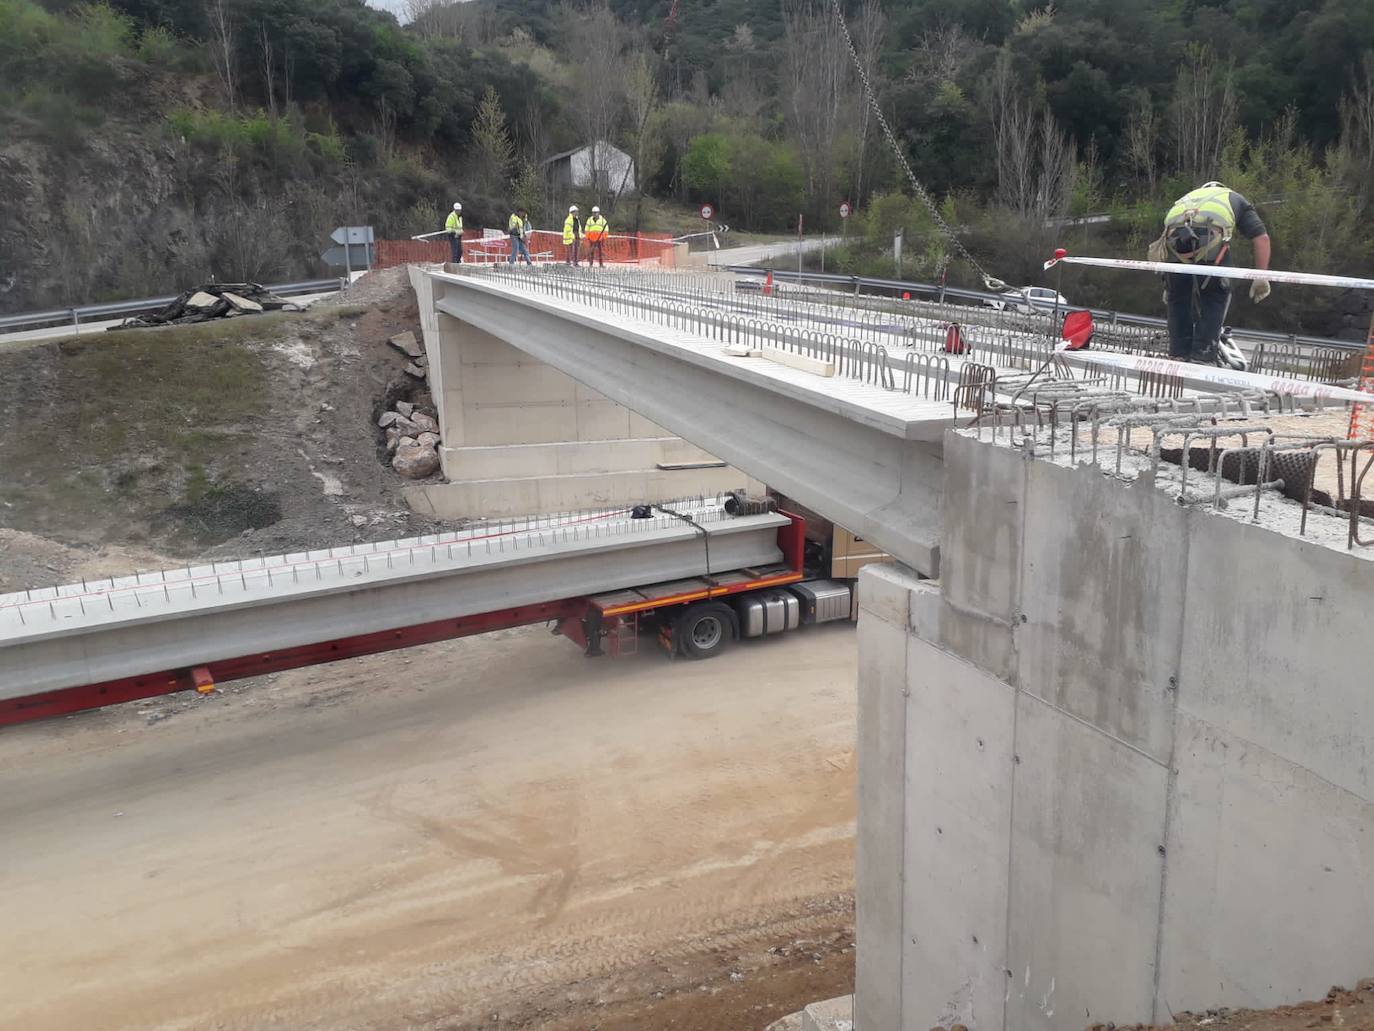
[1030, 299]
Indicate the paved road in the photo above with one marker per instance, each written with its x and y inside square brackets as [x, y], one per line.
[756, 253]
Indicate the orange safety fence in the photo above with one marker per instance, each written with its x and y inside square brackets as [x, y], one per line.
[640, 248]
[1362, 415]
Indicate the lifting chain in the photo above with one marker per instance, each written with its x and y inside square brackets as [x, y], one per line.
[989, 281]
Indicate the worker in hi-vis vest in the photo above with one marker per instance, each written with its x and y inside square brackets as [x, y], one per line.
[454, 228]
[572, 235]
[1198, 231]
[517, 228]
[596, 231]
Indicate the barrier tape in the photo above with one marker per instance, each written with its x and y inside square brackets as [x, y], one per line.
[1219, 272]
[1220, 376]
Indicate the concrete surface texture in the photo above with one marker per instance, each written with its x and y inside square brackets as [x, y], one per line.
[1116, 764]
[521, 437]
[867, 457]
[57, 637]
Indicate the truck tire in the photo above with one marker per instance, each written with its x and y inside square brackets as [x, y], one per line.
[704, 630]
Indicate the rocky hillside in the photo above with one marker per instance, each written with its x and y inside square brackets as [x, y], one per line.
[251, 435]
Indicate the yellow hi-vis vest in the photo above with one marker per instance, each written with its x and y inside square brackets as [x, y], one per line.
[596, 228]
[1206, 208]
[454, 225]
[569, 229]
[516, 225]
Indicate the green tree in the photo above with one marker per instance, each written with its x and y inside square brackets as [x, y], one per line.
[493, 151]
[706, 166]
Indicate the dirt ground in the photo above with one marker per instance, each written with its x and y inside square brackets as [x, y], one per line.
[488, 833]
[1341, 1008]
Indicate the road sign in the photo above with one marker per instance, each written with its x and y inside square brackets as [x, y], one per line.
[356, 256]
[352, 234]
[708, 212]
[845, 209]
[721, 227]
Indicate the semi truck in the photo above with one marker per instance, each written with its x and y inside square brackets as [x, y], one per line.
[700, 617]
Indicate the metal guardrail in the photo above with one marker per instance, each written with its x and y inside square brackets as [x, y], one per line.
[89, 312]
[958, 293]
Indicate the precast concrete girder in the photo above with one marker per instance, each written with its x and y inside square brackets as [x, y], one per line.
[57, 638]
[868, 460]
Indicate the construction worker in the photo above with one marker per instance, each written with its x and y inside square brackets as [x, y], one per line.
[572, 235]
[454, 228]
[596, 232]
[518, 228]
[1198, 231]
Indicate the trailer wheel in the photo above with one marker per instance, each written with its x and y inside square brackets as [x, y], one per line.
[704, 630]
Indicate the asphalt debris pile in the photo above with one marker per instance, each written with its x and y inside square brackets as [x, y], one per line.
[212, 301]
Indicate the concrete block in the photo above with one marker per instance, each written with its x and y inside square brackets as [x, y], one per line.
[536, 495]
[675, 449]
[885, 592]
[528, 383]
[519, 424]
[1277, 646]
[453, 416]
[927, 606]
[478, 347]
[831, 1015]
[1267, 897]
[981, 514]
[879, 853]
[958, 788]
[566, 458]
[1102, 591]
[642, 427]
[1088, 826]
[601, 420]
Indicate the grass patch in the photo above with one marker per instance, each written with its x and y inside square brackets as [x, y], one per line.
[116, 428]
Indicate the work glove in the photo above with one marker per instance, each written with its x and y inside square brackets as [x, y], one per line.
[1259, 289]
[1158, 250]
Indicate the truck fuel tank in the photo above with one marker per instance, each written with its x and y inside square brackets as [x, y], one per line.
[823, 600]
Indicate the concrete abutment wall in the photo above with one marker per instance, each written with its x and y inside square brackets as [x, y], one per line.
[1117, 763]
[520, 437]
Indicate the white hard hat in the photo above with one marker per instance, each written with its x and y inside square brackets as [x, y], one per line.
[572, 209]
[457, 206]
[595, 210]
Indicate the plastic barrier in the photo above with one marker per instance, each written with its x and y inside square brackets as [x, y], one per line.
[654, 249]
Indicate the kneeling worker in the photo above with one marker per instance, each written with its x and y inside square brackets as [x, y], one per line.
[1198, 231]
[454, 228]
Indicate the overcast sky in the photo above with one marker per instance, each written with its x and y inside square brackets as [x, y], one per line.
[394, 6]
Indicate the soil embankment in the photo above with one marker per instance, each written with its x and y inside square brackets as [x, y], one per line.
[232, 438]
